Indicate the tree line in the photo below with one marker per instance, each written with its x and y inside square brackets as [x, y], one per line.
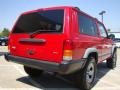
[5, 32]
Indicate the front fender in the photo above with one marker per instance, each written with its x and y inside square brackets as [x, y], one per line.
[113, 48]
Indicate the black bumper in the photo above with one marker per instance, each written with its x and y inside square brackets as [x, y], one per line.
[66, 67]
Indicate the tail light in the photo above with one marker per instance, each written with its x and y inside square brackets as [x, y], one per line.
[67, 51]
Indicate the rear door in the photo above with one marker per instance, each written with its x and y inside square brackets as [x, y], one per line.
[39, 35]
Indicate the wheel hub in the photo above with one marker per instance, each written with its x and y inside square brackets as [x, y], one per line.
[90, 73]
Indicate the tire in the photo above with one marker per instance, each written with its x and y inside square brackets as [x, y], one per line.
[3, 43]
[111, 63]
[86, 78]
[32, 71]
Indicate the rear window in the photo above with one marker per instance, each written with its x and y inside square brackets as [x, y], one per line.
[44, 21]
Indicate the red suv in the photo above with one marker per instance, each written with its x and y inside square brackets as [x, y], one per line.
[62, 40]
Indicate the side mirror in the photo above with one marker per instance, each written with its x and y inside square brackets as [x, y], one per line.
[111, 36]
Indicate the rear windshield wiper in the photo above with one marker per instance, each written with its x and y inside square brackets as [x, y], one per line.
[37, 32]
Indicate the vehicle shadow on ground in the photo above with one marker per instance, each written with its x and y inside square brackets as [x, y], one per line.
[102, 70]
[48, 81]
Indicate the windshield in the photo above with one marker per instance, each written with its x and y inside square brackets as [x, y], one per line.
[44, 21]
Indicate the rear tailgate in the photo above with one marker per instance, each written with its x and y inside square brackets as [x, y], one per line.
[50, 50]
[46, 29]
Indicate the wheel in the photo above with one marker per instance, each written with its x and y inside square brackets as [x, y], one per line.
[111, 63]
[32, 71]
[86, 78]
[3, 43]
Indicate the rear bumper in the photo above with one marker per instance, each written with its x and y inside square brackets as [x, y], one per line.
[62, 68]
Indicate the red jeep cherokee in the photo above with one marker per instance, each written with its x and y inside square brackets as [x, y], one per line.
[62, 40]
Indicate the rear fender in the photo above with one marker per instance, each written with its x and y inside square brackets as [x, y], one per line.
[89, 51]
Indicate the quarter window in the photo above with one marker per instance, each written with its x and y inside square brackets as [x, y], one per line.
[87, 25]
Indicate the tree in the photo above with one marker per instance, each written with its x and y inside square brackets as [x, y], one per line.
[5, 32]
[0, 34]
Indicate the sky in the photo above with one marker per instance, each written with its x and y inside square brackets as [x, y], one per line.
[11, 9]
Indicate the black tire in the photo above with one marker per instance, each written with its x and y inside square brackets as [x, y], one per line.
[32, 71]
[83, 76]
[111, 63]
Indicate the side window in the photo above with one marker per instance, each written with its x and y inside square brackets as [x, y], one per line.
[87, 25]
[102, 30]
